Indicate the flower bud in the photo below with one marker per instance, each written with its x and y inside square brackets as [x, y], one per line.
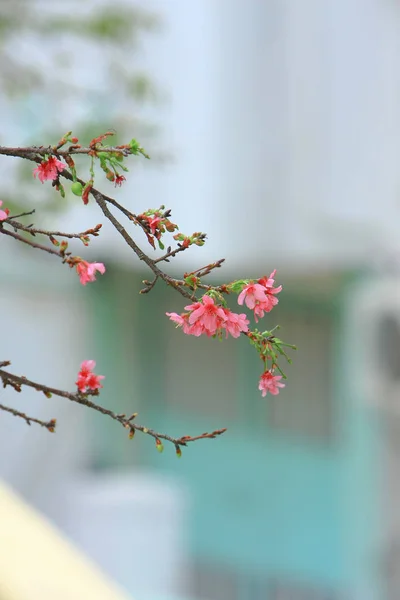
[134, 146]
[76, 188]
[51, 426]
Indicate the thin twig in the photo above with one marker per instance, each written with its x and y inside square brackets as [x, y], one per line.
[98, 196]
[48, 249]
[50, 425]
[32, 230]
[17, 382]
[24, 214]
[170, 254]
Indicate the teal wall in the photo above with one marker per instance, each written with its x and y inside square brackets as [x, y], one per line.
[267, 502]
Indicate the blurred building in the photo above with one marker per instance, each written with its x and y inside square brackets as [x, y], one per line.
[285, 124]
[288, 503]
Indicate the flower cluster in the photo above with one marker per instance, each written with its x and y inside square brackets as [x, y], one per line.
[87, 381]
[206, 317]
[155, 223]
[260, 297]
[49, 169]
[209, 315]
[197, 238]
[87, 271]
[4, 213]
[210, 318]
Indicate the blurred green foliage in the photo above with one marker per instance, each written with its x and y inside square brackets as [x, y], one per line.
[71, 64]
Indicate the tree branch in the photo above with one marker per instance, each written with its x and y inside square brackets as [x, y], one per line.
[19, 238]
[98, 196]
[50, 425]
[17, 382]
[33, 231]
[31, 152]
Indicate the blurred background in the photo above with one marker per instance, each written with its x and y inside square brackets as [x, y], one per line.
[274, 126]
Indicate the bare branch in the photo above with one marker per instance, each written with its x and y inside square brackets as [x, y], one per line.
[19, 238]
[49, 425]
[33, 231]
[17, 382]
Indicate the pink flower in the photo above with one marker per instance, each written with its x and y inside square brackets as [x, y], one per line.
[4, 213]
[87, 271]
[207, 313]
[87, 366]
[270, 383]
[260, 296]
[93, 381]
[207, 317]
[119, 180]
[264, 307]
[268, 283]
[49, 169]
[252, 294]
[153, 224]
[87, 380]
[183, 321]
[235, 324]
[176, 318]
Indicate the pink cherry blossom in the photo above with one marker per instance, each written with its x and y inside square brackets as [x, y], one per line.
[268, 282]
[4, 213]
[183, 321]
[87, 380]
[251, 294]
[153, 224]
[206, 317]
[261, 296]
[270, 383]
[49, 169]
[87, 271]
[263, 307]
[235, 324]
[176, 318]
[93, 381]
[210, 315]
[87, 366]
[119, 180]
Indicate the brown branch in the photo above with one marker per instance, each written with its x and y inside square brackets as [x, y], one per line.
[98, 196]
[149, 285]
[170, 254]
[33, 231]
[24, 214]
[50, 425]
[19, 238]
[32, 152]
[17, 382]
[36, 155]
[203, 271]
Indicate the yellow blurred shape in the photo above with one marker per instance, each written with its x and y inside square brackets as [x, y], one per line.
[37, 562]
